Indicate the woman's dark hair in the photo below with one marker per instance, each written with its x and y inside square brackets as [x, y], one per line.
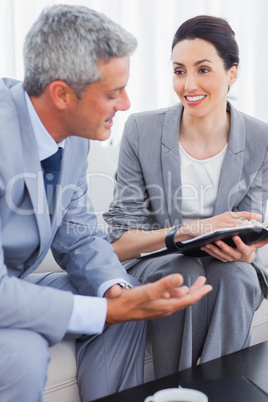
[215, 30]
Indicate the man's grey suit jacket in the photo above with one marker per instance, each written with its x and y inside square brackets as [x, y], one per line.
[28, 231]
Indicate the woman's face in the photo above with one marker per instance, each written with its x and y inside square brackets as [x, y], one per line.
[200, 79]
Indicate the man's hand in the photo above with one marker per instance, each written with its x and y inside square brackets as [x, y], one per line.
[153, 300]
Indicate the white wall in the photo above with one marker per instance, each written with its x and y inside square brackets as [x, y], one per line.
[154, 23]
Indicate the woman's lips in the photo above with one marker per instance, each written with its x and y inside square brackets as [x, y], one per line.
[194, 100]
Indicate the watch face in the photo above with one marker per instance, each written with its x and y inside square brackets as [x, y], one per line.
[124, 285]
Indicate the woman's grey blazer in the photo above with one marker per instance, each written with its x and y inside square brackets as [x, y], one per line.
[148, 181]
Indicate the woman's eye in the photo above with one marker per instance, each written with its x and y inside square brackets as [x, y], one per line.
[178, 72]
[204, 70]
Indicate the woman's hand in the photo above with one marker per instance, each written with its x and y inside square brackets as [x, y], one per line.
[220, 250]
[225, 220]
[225, 253]
[242, 252]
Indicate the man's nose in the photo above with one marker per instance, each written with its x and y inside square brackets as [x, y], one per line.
[123, 102]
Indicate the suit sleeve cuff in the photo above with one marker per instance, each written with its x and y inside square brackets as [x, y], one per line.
[88, 315]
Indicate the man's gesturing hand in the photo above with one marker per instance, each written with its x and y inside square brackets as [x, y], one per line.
[154, 300]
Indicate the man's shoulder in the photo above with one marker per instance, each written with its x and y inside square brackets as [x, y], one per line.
[6, 84]
[7, 103]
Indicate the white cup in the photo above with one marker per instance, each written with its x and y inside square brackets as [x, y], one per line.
[177, 395]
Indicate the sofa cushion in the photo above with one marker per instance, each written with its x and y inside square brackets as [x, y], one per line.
[61, 382]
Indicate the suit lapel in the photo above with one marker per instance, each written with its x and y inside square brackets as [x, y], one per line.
[171, 163]
[32, 168]
[232, 165]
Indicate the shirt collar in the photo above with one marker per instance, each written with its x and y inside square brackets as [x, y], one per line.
[46, 145]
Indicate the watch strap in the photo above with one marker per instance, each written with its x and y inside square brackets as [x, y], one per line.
[169, 240]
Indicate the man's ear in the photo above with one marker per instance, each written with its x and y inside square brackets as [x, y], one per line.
[61, 94]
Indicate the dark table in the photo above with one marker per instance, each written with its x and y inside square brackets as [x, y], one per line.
[251, 363]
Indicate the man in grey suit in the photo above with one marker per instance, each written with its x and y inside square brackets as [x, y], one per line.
[76, 69]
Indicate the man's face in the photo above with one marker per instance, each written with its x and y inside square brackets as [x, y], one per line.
[92, 116]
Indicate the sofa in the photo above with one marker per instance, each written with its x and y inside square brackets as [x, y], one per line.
[61, 383]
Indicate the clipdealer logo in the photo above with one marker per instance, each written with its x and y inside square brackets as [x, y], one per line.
[19, 204]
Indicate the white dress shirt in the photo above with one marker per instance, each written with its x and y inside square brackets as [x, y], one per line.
[200, 182]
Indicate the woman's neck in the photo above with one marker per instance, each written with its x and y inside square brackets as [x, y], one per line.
[204, 137]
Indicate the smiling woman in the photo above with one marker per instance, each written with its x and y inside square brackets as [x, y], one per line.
[205, 63]
[208, 161]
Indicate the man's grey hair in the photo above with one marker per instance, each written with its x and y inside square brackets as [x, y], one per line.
[67, 43]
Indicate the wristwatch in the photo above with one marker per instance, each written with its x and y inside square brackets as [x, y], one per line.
[124, 285]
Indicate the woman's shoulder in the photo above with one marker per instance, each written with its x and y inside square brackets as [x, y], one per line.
[146, 129]
[252, 124]
[152, 115]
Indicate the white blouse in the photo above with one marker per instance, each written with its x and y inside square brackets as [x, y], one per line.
[200, 181]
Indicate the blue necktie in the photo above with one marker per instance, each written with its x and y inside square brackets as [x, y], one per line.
[51, 166]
